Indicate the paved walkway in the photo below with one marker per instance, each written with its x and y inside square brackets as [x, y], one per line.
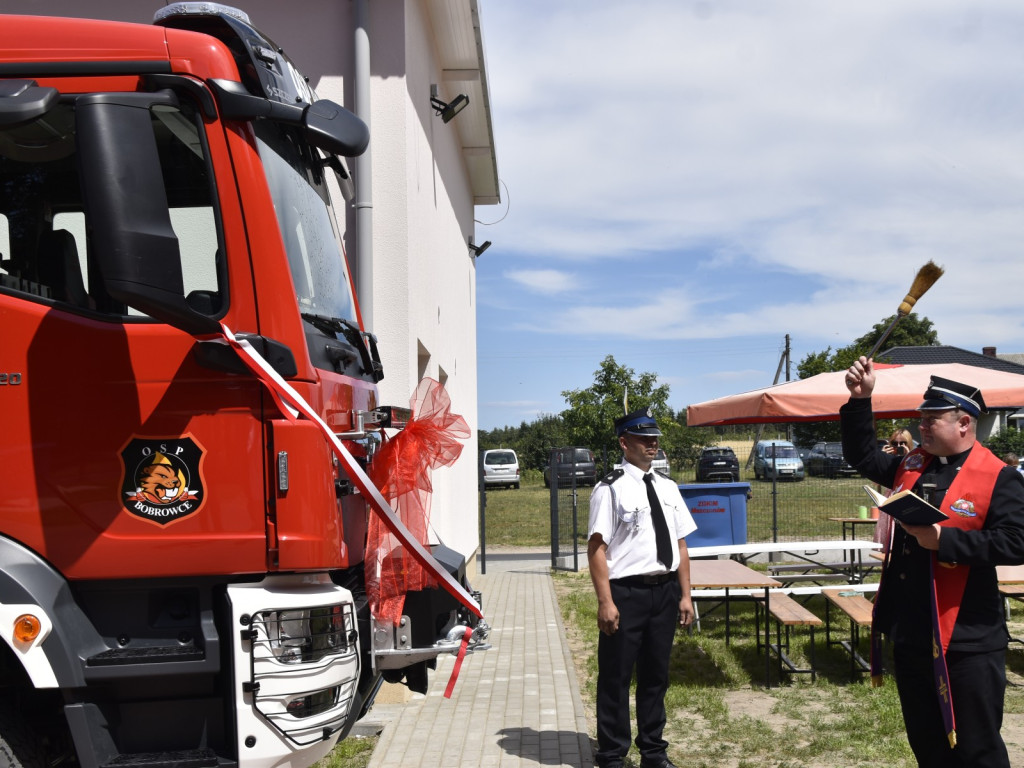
[515, 705]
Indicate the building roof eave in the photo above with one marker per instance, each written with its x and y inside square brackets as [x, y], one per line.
[463, 63]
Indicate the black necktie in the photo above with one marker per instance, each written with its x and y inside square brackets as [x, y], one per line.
[660, 526]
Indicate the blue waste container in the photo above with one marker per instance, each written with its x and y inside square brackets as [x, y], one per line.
[720, 512]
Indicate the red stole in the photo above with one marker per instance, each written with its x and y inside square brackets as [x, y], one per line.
[966, 502]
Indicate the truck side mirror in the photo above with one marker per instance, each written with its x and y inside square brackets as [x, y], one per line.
[324, 124]
[22, 101]
[129, 221]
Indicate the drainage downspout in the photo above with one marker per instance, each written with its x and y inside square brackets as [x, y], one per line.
[363, 166]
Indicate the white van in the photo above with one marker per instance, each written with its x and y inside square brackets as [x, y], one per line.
[501, 468]
[777, 460]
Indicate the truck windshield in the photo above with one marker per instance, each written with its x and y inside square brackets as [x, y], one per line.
[302, 204]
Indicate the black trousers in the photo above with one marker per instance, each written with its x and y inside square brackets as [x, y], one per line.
[978, 684]
[648, 616]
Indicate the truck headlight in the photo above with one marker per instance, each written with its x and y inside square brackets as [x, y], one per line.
[307, 635]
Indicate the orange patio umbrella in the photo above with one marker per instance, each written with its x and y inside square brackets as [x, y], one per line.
[899, 389]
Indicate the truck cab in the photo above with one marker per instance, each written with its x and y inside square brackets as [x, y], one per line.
[182, 561]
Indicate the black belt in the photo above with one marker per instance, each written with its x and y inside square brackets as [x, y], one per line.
[645, 580]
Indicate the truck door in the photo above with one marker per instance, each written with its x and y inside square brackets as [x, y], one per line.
[123, 455]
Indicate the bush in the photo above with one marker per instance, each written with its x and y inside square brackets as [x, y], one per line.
[1009, 440]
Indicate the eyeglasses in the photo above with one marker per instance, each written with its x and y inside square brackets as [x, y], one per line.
[894, 443]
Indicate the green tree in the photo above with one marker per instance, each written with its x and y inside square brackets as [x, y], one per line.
[910, 331]
[532, 441]
[682, 443]
[545, 433]
[592, 411]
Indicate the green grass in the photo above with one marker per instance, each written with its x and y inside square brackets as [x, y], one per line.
[351, 753]
[719, 712]
[520, 516]
[791, 510]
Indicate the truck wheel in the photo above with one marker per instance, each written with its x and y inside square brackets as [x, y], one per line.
[19, 747]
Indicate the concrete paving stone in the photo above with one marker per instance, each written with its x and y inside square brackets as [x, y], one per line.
[513, 706]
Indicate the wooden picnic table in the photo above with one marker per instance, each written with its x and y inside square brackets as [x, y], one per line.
[732, 575]
[818, 554]
[852, 523]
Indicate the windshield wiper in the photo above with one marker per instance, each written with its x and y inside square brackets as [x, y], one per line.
[364, 341]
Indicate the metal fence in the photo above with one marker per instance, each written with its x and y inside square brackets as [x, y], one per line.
[812, 509]
[570, 515]
[809, 509]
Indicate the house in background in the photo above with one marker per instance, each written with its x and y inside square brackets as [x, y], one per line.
[408, 233]
[940, 353]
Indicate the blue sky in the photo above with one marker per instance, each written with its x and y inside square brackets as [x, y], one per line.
[686, 182]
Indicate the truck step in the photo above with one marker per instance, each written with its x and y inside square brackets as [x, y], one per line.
[186, 758]
[146, 655]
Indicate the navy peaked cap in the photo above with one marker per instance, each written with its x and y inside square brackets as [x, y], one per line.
[946, 394]
[637, 423]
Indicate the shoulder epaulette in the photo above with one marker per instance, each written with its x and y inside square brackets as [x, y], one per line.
[614, 475]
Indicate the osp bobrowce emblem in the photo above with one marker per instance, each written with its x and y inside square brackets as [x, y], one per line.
[162, 478]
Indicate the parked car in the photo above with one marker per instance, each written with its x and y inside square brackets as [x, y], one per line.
[826, 460]
[572, 462]
[661, 463]
[501, 468]
[777, 459]
[718, 464]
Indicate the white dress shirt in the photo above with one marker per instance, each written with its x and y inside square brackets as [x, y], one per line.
[621, 514]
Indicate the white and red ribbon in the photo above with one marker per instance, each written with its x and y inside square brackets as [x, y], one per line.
[292, 404]
[458, 662]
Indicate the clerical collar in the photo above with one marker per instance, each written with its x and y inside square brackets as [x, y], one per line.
[956, 459]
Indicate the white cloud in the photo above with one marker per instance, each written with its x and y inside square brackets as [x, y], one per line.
[739, 168]
[627, 129]
[544, 281]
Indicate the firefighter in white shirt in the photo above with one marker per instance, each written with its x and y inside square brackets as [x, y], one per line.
[641, 573]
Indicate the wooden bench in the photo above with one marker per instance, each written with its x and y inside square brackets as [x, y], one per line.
[817, 590]
[787, 613]
[816, 573]
[1011, 592]
[858, 610]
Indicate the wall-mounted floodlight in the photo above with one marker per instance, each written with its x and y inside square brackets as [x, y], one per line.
[448, 110]
[478, 249]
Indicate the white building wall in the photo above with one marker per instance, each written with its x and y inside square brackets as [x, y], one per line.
[442, 300]
[424, 302]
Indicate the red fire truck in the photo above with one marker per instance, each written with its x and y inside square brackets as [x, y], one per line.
[182, 561]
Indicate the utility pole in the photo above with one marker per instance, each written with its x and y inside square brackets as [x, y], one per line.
[783, 364]
[789, 427]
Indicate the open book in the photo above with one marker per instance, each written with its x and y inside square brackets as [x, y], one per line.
[907, 507]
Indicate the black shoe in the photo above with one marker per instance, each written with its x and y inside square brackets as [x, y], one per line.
[656, 762]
